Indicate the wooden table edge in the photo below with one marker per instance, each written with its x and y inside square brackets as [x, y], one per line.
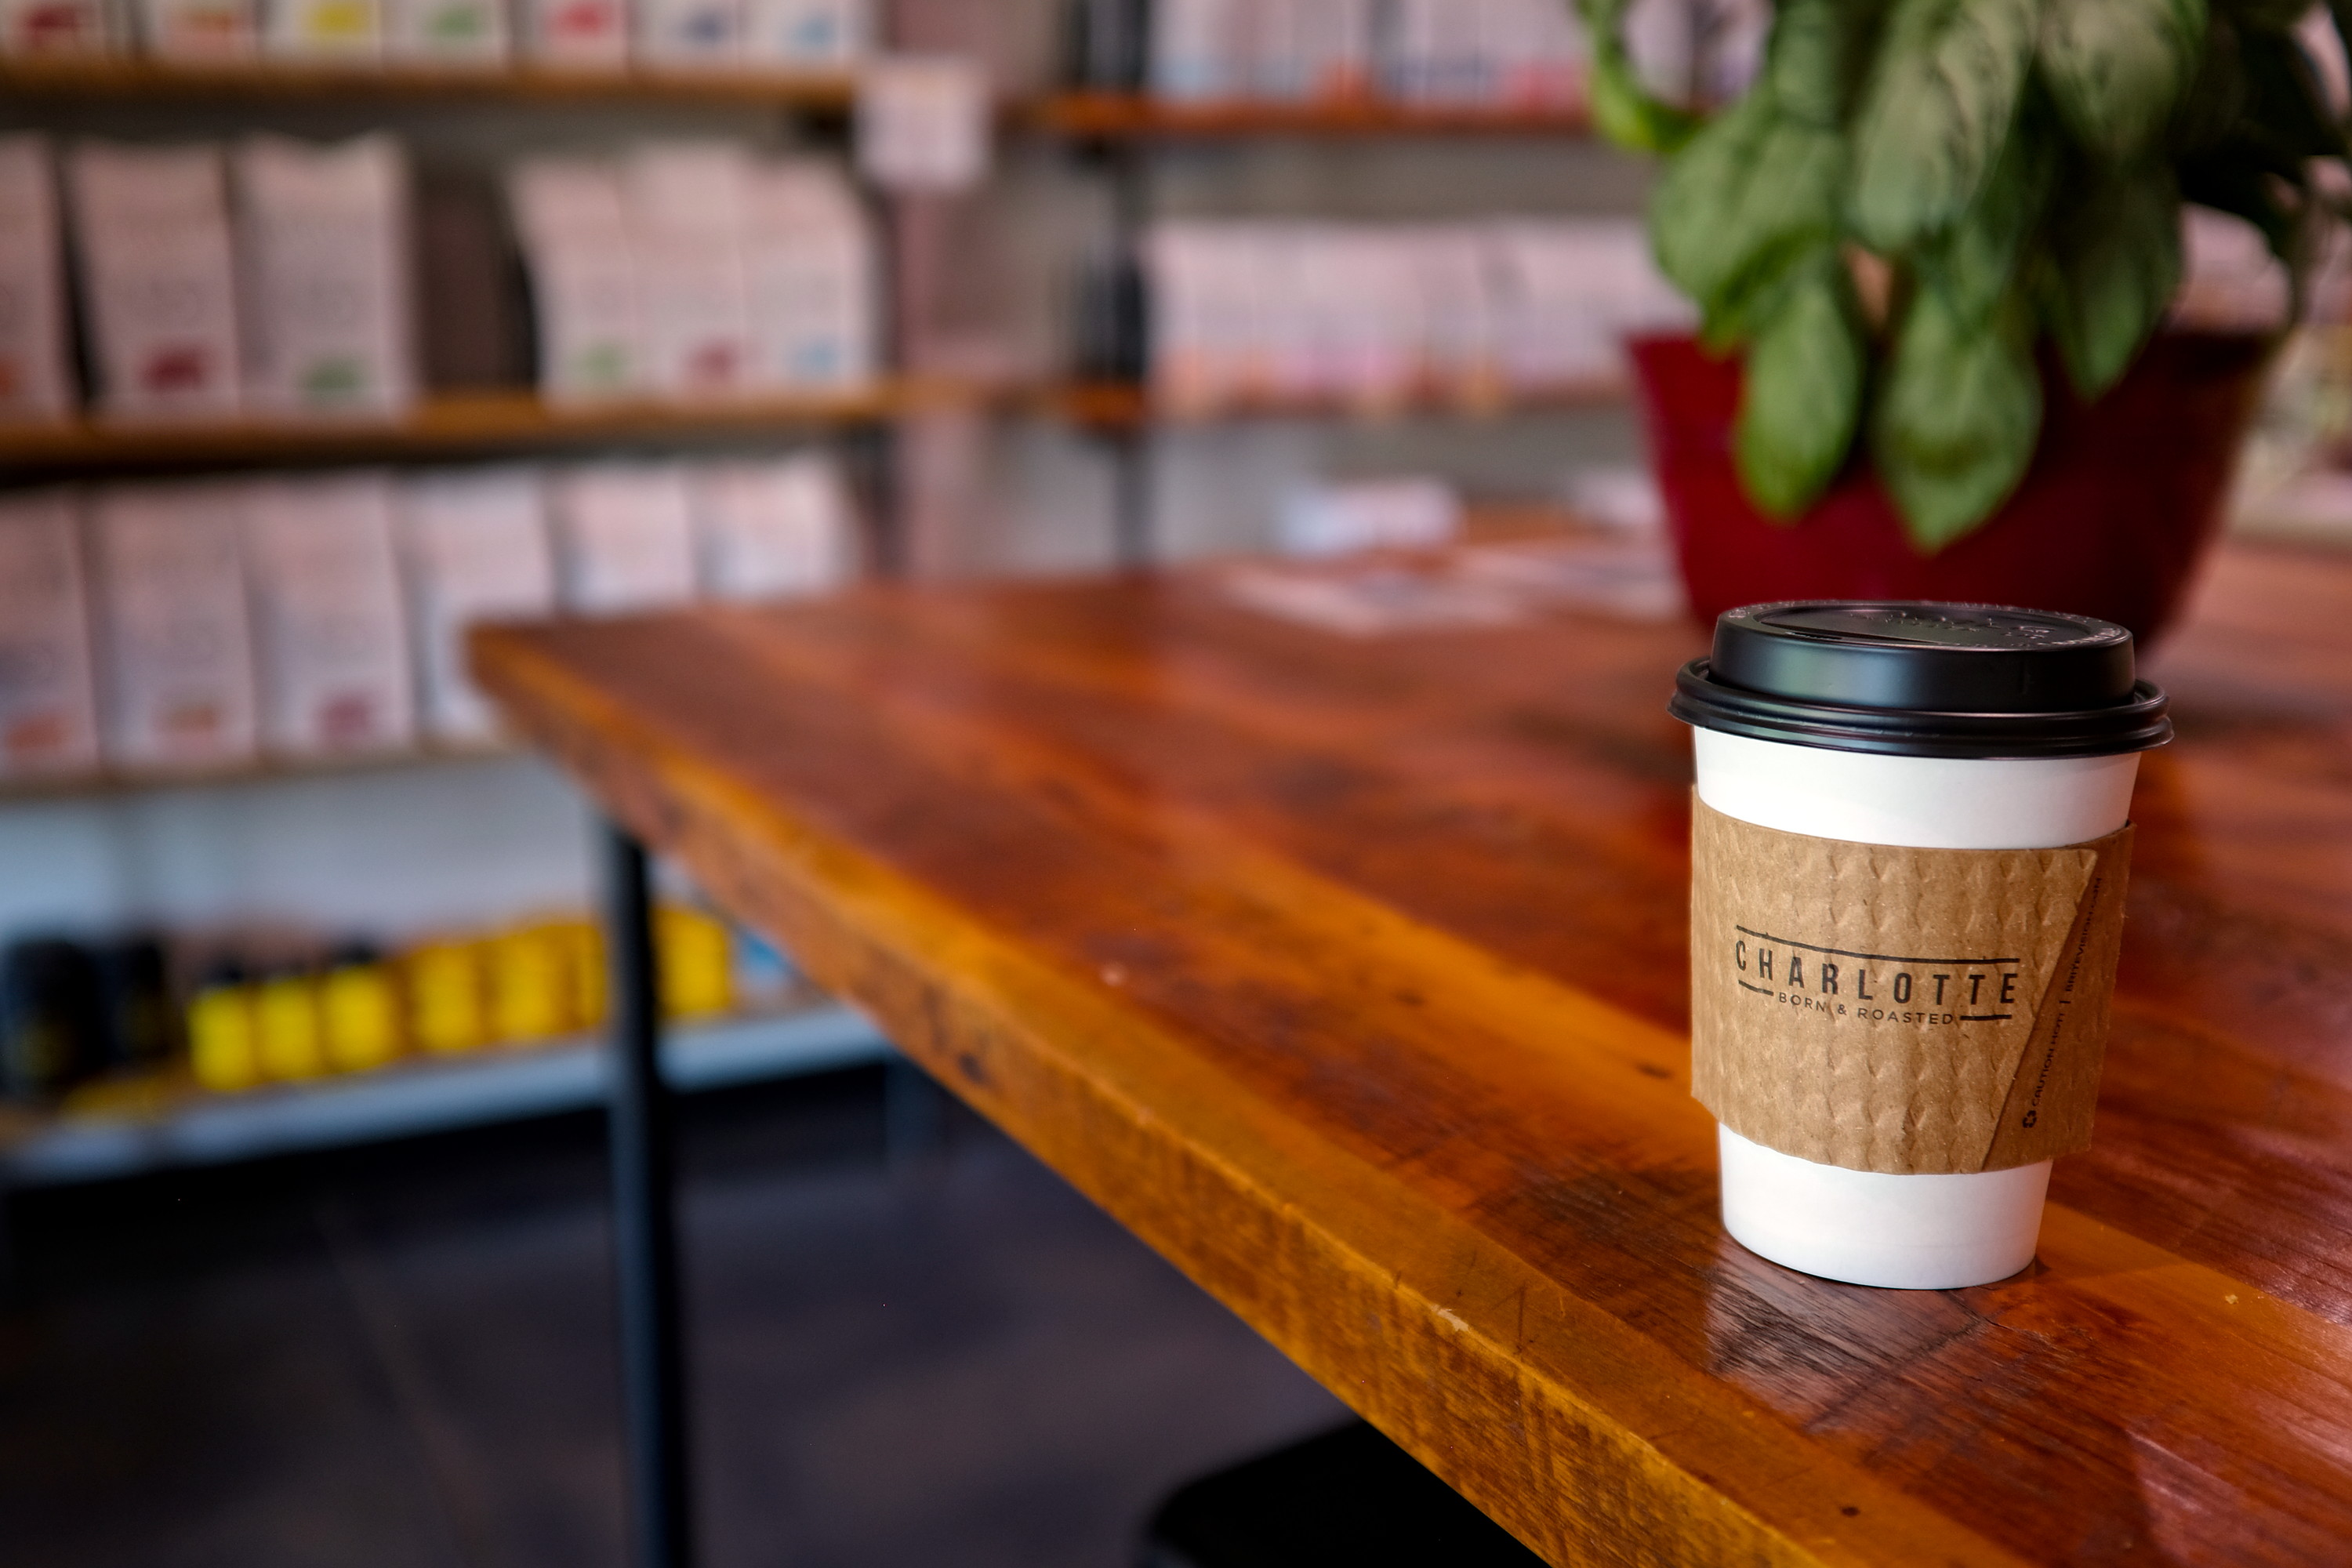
[1636, 1467]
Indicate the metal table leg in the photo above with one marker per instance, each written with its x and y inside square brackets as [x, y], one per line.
[645, 1226]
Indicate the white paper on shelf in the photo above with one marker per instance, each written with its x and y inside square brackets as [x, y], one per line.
[583, 273]
[152, 229]
[807, 34]
[474, 547]
[624, 537]
[687, 210]
[924, 123]
[690, 33]
[449, 32]
[323, 241]
[333, 641]
[324, 29]
[583, 32]
[53, 27]
[200, 30]
[49, 698]
[1417, 513]
[812, 263]
[774, 530]
[35, 382]
[175, 642]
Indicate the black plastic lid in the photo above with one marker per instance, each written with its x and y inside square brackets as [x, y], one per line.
[1924, 680]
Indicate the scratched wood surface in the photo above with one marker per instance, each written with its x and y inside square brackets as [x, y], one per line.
[1350, 975]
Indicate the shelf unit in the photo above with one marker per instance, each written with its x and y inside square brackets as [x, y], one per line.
[1117, 406]
[166, 1124]
[108, 77]
[125, 1128]
[446, 424]
[1123, 130]
[1119, 117]
[270, 770]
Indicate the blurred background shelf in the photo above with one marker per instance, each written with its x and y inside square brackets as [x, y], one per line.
[1110, 117]
[453, 424]
[168, 1123]
[115, 781]
[1115, 406]
[280, 78]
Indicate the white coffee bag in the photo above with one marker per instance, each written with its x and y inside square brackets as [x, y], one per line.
[153, 235]
[200, 31]
[807, 34]
[324, 248]
[175, 641]
[349, 30]
[625, 537]
[774, 530]
[812, 267]
[449, 32]
[687, 214]
[35, 382]
[584, 277]
[48, 699]
[327, 607]
[57, 28]
[584, 34]
[475, 548]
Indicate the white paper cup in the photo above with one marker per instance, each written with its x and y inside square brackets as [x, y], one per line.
[1915, 1233]
[1919, 726]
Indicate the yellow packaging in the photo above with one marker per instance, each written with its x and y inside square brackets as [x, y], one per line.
[359, 1007]
[697, 963]
[286, 1032]
[445, 1004]
[220, 1039]
[584, 948]
[531, 992]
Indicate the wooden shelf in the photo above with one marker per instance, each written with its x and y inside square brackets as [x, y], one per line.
[286, 79]
[460, 422]
[261, 770]
[1110, 117]
[1121, 405]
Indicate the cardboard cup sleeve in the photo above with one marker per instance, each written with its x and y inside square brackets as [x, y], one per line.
[1908, 1010]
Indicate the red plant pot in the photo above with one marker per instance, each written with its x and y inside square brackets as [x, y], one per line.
[2123, 500]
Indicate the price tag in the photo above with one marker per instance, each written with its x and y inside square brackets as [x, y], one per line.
[923, 123]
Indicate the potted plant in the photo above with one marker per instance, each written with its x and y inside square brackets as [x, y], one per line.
[1932, 247]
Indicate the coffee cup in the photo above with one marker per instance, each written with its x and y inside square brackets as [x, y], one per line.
[1898, 785]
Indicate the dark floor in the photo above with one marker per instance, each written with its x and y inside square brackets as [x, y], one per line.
[404, 1356]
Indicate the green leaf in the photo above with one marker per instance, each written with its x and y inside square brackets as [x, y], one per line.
[1623, 110]
[1802, 397]
[1937, 109]
[2117, 68]
[1819, 49]
[1976, 262]
[1750, 194]
[1956, 416]
[2110, 271]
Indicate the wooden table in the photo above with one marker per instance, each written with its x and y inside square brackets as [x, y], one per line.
[1349, 974]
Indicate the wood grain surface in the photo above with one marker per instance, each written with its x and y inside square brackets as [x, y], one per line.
[1350, 974]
